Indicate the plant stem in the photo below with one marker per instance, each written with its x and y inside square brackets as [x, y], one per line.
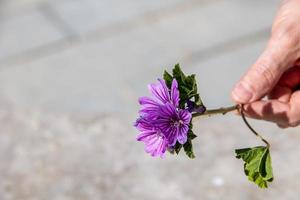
[225, 110]
[241, 109]
[222, 111]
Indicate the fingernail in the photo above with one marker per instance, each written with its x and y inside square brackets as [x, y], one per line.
[241, 94]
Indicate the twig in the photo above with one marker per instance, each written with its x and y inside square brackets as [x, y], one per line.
[241, 109]
[222, 111]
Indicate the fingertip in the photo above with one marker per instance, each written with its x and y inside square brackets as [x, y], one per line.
[251, 111]
[282, 126]
[240, 94]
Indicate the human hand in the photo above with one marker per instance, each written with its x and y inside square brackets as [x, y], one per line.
[276, 73]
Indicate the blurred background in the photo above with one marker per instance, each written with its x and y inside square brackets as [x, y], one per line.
[70, 75]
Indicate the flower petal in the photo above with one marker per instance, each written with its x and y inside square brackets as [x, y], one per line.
[173, 135]
[175, 93]
[143, 125]
[160, 91]
[182, 135]
[185, 116]
[155, 142]
[156, 146]
[147, 101]
[168, 111]
[144, 136]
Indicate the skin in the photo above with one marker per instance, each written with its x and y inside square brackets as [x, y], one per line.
[276, 73]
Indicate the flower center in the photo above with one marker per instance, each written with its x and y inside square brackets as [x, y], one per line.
[177, 122]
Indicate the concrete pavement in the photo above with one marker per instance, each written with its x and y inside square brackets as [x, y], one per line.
[70, 75]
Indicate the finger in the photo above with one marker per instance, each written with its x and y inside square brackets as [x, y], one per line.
[291, 78]
[280, 93]
[264, 74]
[269, 110]
[297, 63]
[282, 126]
[294, 115]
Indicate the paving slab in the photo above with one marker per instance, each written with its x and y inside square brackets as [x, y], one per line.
[88, 15]
[212, 24]
[91, 79]
[22, 32]
[11, 6]
[109, 74]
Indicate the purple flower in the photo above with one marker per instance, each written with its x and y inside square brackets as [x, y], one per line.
[174, 123]
[192, 107]
[155, 141]
[162, 123]
[161, 95]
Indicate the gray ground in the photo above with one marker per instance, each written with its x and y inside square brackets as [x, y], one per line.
[72, 70]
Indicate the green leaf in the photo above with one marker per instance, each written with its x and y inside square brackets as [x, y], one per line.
[198, 100]
[190, 133]
[257, 166]
[168, 78]
[179, 75]
[188, 146]
[187, 86]
[177, 147]
[188, 149]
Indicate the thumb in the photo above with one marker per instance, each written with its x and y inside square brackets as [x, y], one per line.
[264, 74]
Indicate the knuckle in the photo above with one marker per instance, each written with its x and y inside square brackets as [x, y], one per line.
[294, 124]
[293, 116]
[290, 41]
[293, 121]
[286, 34]
[283, 126]
[264, 70]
